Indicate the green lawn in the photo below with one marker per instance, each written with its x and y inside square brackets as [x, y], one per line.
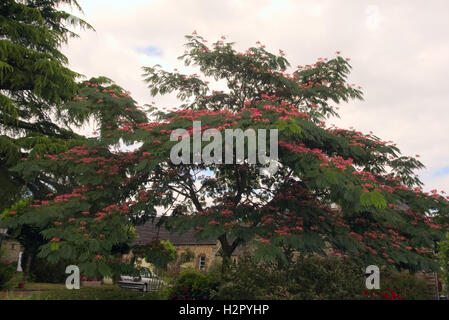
[43, 286]
[59, 292]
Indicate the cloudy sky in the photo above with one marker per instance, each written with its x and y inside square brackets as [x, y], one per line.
[399, 51]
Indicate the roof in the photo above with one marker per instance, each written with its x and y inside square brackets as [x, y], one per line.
[149, 231]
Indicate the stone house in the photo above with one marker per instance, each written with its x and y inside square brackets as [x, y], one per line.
[205, 252]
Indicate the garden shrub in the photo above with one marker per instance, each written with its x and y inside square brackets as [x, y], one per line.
[9, 277]
[408, 285]
[185, 261]
[186, 256]
[327, 278]
[306, 278]
[7, 274]
[315, 278]
[193, 285]
[158, 252]
[42, 271]
[388, 294]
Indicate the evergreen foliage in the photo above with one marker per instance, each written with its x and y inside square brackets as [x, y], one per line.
[34, 83]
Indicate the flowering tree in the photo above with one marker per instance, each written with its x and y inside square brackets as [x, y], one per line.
[334, 191]
[109, 104]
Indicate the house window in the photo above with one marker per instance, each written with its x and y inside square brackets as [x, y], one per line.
[13, 246]
[202, 263]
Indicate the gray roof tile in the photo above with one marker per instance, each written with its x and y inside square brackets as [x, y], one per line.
[150, 231]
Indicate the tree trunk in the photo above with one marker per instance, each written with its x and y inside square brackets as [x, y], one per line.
[226, 253]
[28, 263]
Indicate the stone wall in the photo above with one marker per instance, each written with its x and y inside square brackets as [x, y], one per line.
[11, 250]
[199, 250]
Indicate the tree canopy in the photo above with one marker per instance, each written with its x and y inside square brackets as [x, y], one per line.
[34, 83]
[335, 191]
[36, 86]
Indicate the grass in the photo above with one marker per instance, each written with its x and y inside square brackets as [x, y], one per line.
[14, 295]
[30, 289]
[106, 292]
[50, 291]
[43, 286]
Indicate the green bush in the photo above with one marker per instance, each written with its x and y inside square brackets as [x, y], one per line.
[158, 252]
[193, 285]
[42, 271]
[314, 278]
[246, 280]
[186, 256]
[408, 285]
[305, 278]
[6, 276]
[9, 277]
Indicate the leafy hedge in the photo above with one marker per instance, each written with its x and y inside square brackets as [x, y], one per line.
[305, 279]
[158, 252]
[315, 278]
[9, 277]
[42, 271]
[408, 285]
[193, 285]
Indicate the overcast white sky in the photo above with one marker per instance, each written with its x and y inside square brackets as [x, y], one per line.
[399, 51]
